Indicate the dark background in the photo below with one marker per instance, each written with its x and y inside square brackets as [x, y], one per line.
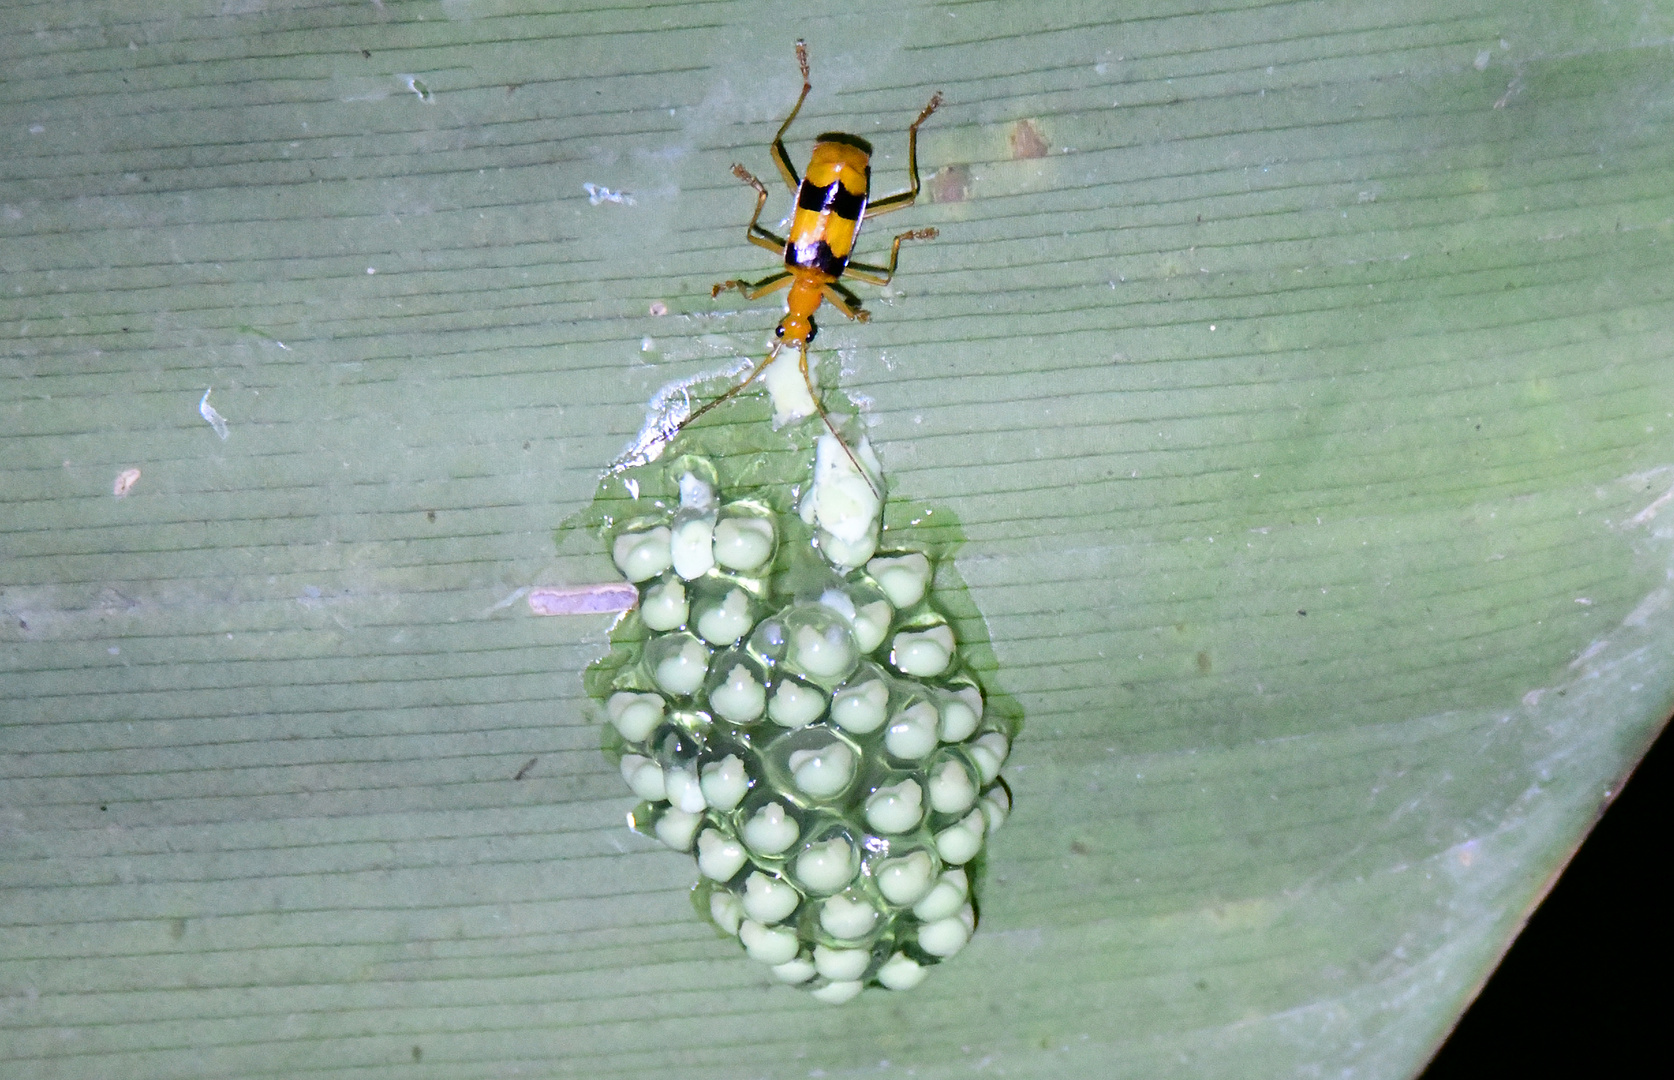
[1584, 990]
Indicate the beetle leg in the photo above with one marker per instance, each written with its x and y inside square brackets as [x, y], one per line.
[880, 275]
[905, 198]
[845, 301]
[753, 231]
[753, 290]
[780, 157]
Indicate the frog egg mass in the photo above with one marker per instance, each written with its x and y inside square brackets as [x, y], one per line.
[795, 713]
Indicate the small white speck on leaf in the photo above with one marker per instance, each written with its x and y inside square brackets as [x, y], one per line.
[598, 193]
[207, 411]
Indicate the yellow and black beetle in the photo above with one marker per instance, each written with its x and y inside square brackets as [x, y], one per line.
[831, 205]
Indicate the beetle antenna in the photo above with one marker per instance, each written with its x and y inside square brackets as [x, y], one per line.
[748, 379]
[835, 434]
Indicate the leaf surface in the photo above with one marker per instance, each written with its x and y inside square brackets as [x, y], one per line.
[1298, 374]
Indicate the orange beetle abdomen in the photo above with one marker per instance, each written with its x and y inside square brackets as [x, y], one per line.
[830, 205]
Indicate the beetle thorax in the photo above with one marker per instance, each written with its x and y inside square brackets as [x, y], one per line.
[797, 327]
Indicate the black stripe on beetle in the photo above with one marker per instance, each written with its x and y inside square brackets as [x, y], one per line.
[822, 258]
[833, 197]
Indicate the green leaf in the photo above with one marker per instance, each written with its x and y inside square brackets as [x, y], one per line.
[1298, 375]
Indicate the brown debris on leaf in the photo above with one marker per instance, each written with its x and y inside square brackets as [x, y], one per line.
[1026, 141]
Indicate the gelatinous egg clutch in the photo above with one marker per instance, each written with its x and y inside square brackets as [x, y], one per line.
[794, 712]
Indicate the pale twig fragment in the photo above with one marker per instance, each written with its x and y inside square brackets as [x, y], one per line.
[1651, 511]
[612, 597]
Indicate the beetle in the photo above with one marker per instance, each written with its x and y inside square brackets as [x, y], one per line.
[832, 203]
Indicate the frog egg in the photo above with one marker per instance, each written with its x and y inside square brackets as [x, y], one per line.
[951, 790]
[725, 622]
[961, 712]
[719, 855]
[738, 697]
[644, 777]
[678, 663]
[769, 945]
[924, 653]
[860, 709]
[643, 555]
[847, 554]
[838, 600]
[847, 917]
[770, 831]
[795, 705]
[692, 546]
[996, 805]
[794, 971]
[871, 624]
[683, 790]
[945, 898]
[725, 910]
[664, 607]
[907, 879]
[636, 716]
[897, 808]
[902, 578]
[836, 993]
[901, 972]
[675, 828]
[841, 501]
[945, 937]
[743, 543]
[698, 481]
[959, 844]
[841, 965]
[864, 609]
[823, 771]
[769, 900]
[912, 733]
[677, 744]
[820, 644]
[989, 753]
[725, 782]
[770, 641]
[827, 866]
